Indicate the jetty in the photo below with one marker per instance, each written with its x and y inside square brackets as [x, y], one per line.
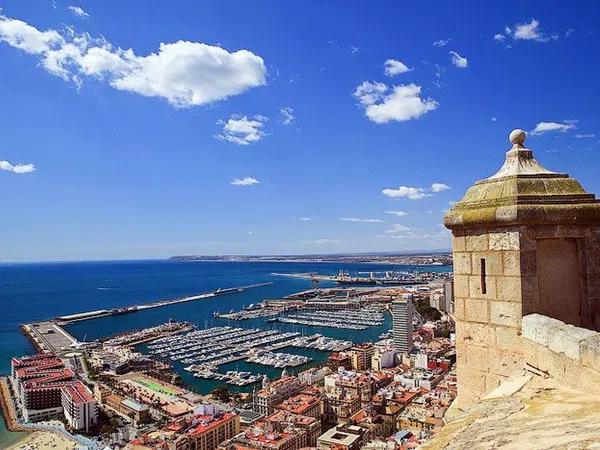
[62, 320]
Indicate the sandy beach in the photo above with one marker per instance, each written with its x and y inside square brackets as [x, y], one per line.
[43, 440]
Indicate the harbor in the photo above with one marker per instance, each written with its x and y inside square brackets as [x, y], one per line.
[157, 304]
[379, 278]
[203, 351]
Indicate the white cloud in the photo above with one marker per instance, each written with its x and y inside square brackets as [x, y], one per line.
[585, 136]
[184, 73]
[441, 42]
[16, 168]
[78, 11]
[246, 181]
[307, 219]
[412, 193]
[528, 31]
[242, 130]
[401, 103]
[400, 231]
[546, 127]
[397, 213]
[459, 61]
[439, 187]
[494, 119]
[287, 114]
[361, 220]
[326, 241]
[393, 67]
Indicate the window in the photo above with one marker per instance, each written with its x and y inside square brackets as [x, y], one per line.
[483, 286]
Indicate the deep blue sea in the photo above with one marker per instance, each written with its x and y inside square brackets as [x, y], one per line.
[36, 291]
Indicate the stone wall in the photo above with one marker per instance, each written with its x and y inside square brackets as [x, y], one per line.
[488, 324]
[564, 352]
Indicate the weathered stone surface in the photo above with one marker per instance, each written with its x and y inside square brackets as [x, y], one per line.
[505, 313]
[509, 288]
[507, 338]
[539, 329]
[567, 340]
[475, 287]
[477, 243]
[511, 263]
[477, 310]
[461, 285]
[537, 413]
[507, 240]
[493, 263]
[589, 351]
[459, 244]
[462, 263]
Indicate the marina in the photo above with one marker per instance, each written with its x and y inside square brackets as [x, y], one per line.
[203, 351]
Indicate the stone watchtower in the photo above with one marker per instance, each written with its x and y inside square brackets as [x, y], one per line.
[525, 240]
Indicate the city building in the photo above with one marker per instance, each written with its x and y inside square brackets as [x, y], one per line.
[274, 393]
[282, 421]
[383, 358]
[80, 407]
[48, 390]
[314, 375]
[337, 360]
[447, 304]
[402, 312]
[360, 356]
[343, 437]
[303, 404]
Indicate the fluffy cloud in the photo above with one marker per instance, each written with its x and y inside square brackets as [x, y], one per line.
[242, 130]
[412, 193]
[441, 42]
[184, 73]
[287, 114]
[528, 31]
[546, 127]
[400, 231]
[78, 11]
[361, 220]
[459, 61]
[401, 103]
[16, 168]
[439, 187]
[246, 181]
[397, 213]
[393, 67]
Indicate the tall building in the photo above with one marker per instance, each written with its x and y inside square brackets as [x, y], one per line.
[360, 356]
[402, 312]
[448, 298]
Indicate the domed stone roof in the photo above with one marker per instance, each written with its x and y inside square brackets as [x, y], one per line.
[523, 192]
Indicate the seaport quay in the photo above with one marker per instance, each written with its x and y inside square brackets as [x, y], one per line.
[157, 304]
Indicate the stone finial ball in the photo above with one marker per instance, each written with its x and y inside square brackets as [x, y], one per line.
[517, 136]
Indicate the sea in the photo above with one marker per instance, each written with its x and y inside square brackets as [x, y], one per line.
[37, 291]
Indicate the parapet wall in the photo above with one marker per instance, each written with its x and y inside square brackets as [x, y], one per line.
[564, 352]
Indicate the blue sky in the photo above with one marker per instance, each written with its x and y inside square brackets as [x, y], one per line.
[135, 129]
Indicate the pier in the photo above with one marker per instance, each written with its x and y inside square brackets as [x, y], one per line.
[158, 304]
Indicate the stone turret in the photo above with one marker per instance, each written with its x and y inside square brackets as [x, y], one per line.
[525, 240]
